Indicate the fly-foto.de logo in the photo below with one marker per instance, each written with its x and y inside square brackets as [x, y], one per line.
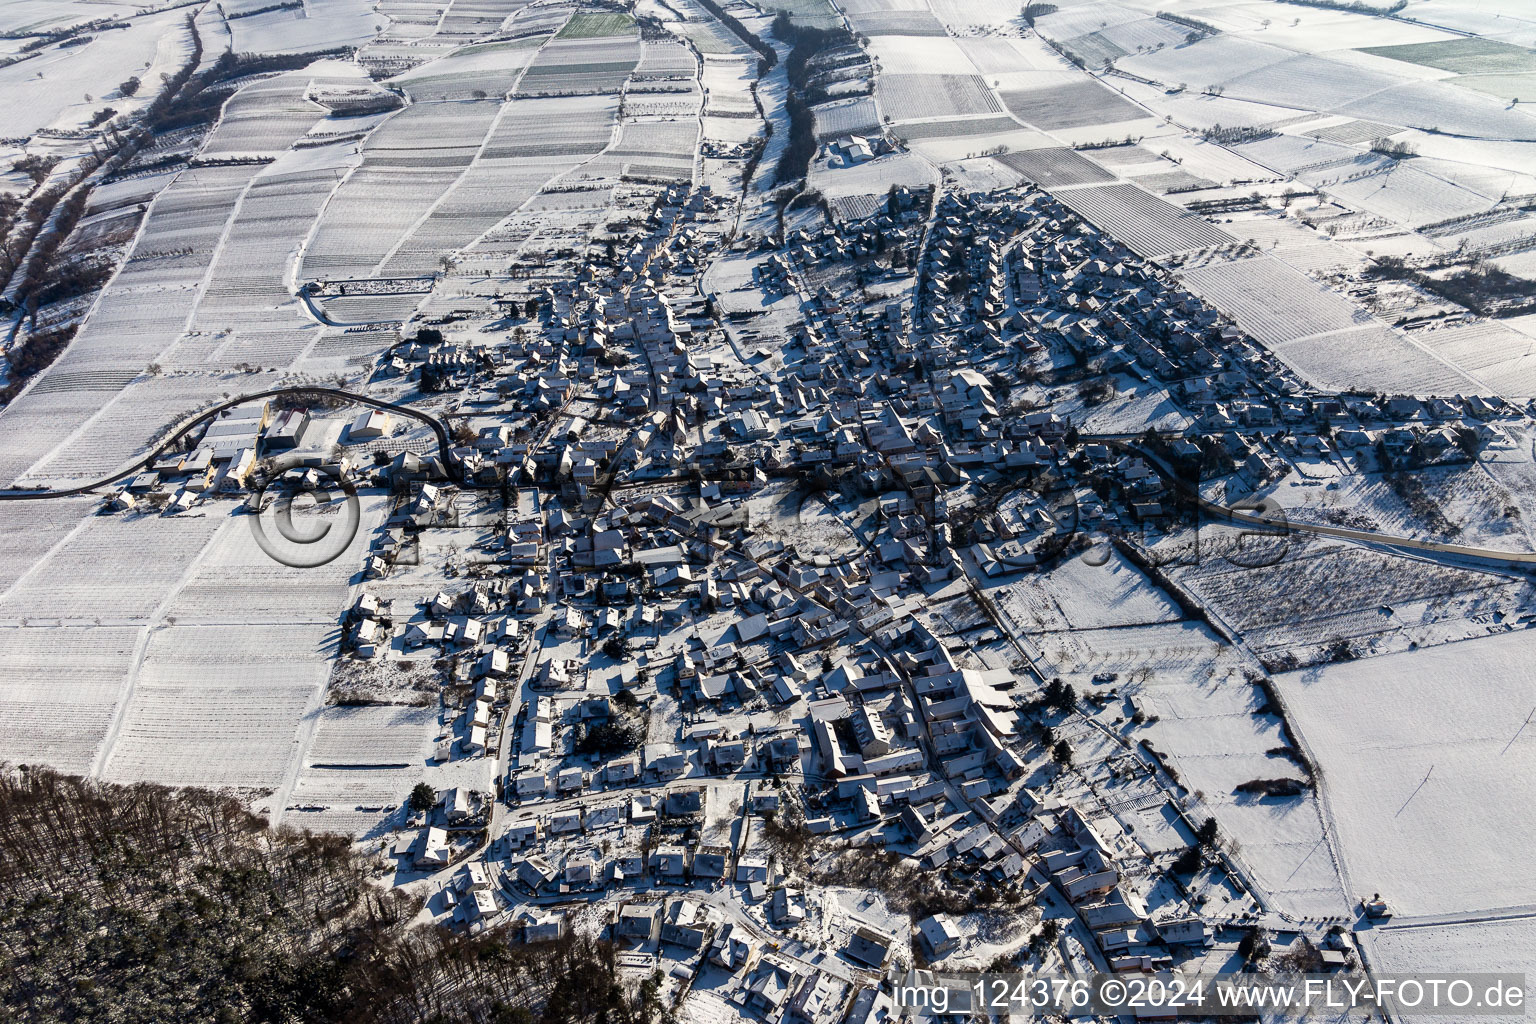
[304, 516]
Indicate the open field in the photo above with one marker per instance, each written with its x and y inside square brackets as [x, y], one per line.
[1076, 595]
[1467, 56]
[913, 97]
[1422, 753]
[1507, 944]
[585, 26]
[1052, 167]
[1070, 106]
[1149, 225]
[1271, 301]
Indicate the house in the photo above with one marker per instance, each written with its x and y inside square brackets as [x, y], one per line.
[455, 804]
[752, 869]
[684, 802]
[535, 873]
[939, 934]
[788, 907]
[370, 424]
[869, 947]
[728, 950]
[542, 927]
[710, 862]
[767, 988]
[431, 849]
[639, 922]
[1184, 931]
[670, 862]
[683, 924]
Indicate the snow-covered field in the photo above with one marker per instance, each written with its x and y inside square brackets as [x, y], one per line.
[1483, 946]
[1426, 759]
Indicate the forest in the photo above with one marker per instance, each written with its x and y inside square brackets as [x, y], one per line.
[147, 904]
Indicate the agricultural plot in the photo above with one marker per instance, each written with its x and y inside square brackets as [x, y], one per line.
[59, 687]
[1351, 132]
[1076, 595]
[1080, 19]
[353, 310]
[1071, 105]
[236, 581]
[68, 585]
[1374, 357]
[318, 25]
[1500, 357]
[409, 163]
[220, 705]
[548, 127]
[993, 56]
[1211, 61]
[1205, 725]
[1465, 56]
[474, 72]
[1054, 167]
[42, 417]
[1312, 83]
[1149, 225]
[856, 116]
[958, 128]
[1406, 195]
[247, 284]
[1423, 754]
[896, 23]
[914, 97]
[1145, 34]
[906, 55]
[1201, 111]
[1294, 154]
[1271, 301]
[1172, 181]
[658, 149]
[1373, 599]
[1503, 86]
[569, 67]
[664, 59]
[28, 530]
[1181, 649]
[1437, 106]
[479, 200]
[587, 25]
[265, 118]
[372, 737]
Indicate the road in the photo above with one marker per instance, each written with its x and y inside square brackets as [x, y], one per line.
[181, 428]
[1236, 516]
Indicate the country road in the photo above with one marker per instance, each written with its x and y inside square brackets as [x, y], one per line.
[1236, 516]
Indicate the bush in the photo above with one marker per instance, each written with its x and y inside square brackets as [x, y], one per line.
[612, 737]
[422, 798]
[1273, 787]
[129, 86]
[1254, 945]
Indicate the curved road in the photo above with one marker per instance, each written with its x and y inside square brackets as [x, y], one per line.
[1256, 517]
[444, 441]
[1240, 517]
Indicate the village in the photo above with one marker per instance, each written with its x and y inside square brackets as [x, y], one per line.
[804, 497]
[702, 629]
